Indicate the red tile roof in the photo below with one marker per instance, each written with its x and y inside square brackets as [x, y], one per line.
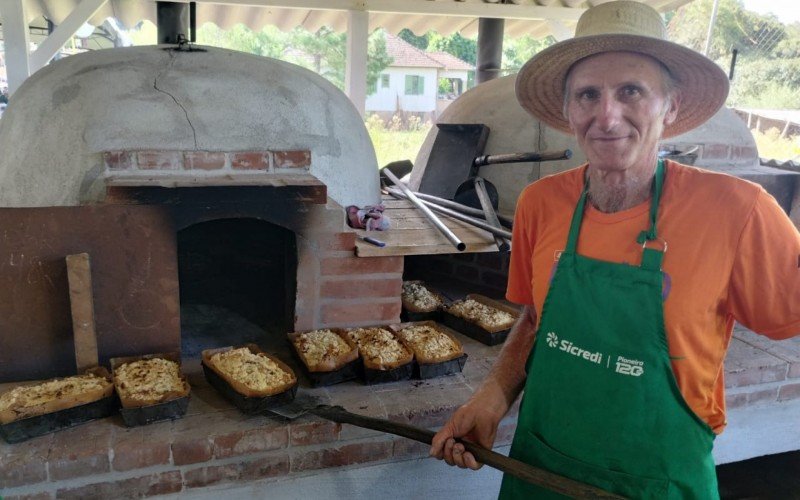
[405, 54]
[449, 61]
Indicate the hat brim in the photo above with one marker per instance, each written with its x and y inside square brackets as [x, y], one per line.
[703, 84]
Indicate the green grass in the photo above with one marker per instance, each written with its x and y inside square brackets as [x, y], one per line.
[771, 146]
[396, 142]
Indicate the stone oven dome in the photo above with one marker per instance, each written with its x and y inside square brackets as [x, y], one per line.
[156, 98]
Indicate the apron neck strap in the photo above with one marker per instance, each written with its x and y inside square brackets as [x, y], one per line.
[651, 258]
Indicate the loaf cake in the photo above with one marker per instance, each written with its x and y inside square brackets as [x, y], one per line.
[416, 297]
[430, 344]
[253, 374]
[323, 350]
[151, 381]
[52, 395]
[379, 348]
[485, 316]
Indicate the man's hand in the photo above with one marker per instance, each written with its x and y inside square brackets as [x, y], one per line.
[478, 419]
[476, 422]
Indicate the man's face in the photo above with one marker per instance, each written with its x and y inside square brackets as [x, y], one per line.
[617, 107]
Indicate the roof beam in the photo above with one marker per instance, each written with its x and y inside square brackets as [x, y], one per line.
[421, 7]
[66, 30]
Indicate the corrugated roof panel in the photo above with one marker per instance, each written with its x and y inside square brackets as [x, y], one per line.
[131, 12]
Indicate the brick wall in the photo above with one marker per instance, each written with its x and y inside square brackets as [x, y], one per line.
[484, 273]
[352, 291]
[207, 161]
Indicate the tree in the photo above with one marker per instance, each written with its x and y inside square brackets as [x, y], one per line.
[465, 49]
[420, 42]
[735, 27]
[517, 51]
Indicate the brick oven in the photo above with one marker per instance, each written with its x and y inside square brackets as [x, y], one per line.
[198, 181]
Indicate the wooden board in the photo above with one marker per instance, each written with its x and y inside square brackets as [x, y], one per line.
[81, 300]
[412, 233]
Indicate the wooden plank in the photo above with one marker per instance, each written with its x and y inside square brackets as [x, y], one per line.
[423, 242]
[81, 300]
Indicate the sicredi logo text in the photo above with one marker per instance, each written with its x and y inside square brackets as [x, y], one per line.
[570, 348]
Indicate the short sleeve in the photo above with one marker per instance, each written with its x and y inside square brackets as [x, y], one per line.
[764, 293]
[520, 273]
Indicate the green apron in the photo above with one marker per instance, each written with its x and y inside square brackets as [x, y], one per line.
[601, 404]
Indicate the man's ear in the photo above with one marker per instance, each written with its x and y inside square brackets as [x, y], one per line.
[673, 105]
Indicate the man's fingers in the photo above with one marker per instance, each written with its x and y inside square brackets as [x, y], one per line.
[469, 461]
[448, 451]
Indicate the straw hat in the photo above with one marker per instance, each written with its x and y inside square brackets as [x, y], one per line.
[622, 26]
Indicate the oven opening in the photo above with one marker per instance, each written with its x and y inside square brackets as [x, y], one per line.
[237, 281]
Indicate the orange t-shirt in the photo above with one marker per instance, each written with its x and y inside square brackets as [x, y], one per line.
[732, 254]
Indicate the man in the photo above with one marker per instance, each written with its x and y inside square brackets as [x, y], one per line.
[631, 272]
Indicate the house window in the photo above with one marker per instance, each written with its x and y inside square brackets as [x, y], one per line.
[384, 81]
[415, 85]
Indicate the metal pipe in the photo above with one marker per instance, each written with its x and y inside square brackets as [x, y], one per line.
[507, 222]
[489, 213]
[460, 245]
[521, 157]
[481, 224]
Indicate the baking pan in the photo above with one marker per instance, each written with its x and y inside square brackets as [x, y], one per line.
[371, 376]
[247, 404]
[371, 372]
[347, 371]
[31, 427]
[423, 370]
[442, 369]
[475, 331]
[244, 403]
[38, 425]
[174, 407]
[410, 312]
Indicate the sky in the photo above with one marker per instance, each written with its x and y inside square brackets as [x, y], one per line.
[788, 11]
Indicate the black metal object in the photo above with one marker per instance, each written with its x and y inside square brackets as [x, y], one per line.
[347, 372]
[144, 415]
[193, 22]
[451, 157]
[371, 376]
[442, 369]
[474, 331]
[31, 427]
[172, 20]
[490, 49]
[733, 63]
[249, 405]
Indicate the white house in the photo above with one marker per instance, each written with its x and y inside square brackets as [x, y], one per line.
[411, 82]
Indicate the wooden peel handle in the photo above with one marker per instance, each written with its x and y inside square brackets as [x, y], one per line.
[535, 475]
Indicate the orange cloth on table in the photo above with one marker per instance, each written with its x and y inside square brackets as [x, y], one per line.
[732, 254]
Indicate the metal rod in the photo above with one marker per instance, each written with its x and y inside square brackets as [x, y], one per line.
[481, 224]
[522, 157]
[460, 245]
[491, 216]
[506, 221]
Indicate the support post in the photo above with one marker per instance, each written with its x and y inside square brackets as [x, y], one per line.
[490, 49]
[355, 80]
[15, 34]
[63, 32]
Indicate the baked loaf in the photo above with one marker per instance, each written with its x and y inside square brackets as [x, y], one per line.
[417, 298]
[253, 374]
[53, 395]
[379, 348]
[430, 345]
[323, 350]
[149, 381]
[485, 316]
